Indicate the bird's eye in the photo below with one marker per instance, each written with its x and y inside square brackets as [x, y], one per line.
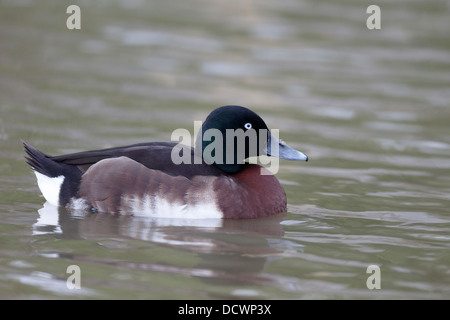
[248, 126]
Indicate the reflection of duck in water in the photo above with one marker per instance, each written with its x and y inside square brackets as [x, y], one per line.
[79, 223]
[222, 251]
[143, 178]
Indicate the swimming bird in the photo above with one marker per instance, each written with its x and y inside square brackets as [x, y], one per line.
[213, 179]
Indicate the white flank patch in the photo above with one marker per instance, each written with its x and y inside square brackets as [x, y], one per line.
[50, 187]
[155, 206]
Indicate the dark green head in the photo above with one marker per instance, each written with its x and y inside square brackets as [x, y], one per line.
[232, 134]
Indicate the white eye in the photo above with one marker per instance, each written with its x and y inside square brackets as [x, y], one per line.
[248, 126]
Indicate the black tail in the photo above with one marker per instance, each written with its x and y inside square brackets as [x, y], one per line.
[43, 164]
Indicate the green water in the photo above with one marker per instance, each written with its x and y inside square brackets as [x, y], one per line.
[371, 108]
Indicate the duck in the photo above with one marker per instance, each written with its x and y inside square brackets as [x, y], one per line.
[212, 179]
